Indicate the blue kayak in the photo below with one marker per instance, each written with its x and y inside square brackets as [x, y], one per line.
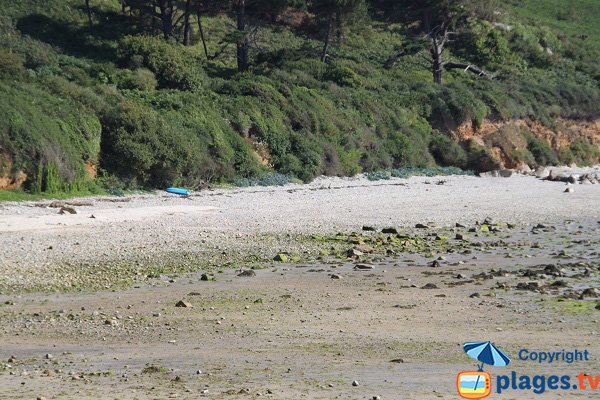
[178, 191]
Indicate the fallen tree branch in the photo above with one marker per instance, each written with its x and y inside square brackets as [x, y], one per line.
[468, 68]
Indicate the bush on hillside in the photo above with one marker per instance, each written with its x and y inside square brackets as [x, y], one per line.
[541, 151]
[447, 152]
[173, 66]
[11, 64]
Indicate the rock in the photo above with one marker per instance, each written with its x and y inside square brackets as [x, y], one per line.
[363, 267]
[421, 226]
[353, 252]
[392, 231]
[355, 383]
[247, 273]
[541, 172]
[281, 257]
[490, 174]
[569, 190]
[368, 228]
[67, 210]
[488, 221]
[41, 398]
[505, 173]
[524, 169]
[430, 286]
[528, 286]
[183, 303]
[559, 283]
[376, 398]
[460, 276]
[363, 248]
[207, 277]
[484, 228]
[475, 295]
[459, 225]
[589, 292]
[57, 204]
[573, 179]
[435, 264]
[92, 216]
[48, 356]
[459, 236]
[336, 276]
[586, 182]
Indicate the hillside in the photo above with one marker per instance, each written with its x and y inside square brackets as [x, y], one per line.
[99, 101]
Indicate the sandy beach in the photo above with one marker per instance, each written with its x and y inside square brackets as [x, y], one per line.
[89, 304]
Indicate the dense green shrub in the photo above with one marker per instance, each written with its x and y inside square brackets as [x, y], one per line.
[447, 152]
[11, 64]
[542, 152]
[342, 75]
[580, 152]
[140, 79]
[175, 68]
[479, 158]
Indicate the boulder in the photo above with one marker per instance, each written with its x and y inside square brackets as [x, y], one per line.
[184, 304]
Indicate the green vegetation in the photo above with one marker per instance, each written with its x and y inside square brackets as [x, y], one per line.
[146, 105]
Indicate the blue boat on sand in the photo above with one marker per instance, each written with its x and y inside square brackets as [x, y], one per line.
[179, 191]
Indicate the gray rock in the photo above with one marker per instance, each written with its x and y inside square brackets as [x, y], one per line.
[247, 273]
[505, 173]
[430, 286]
[184, 304]
[67, 210]
[541, 172]
[355, 383]
[570, 190]
[363, 267]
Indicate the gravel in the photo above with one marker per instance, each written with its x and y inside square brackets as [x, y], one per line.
[37, 244]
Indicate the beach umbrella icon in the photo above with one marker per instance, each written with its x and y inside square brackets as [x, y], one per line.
[486, 353]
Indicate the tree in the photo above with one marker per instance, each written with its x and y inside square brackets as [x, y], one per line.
[249, 15]
[439, 21]
[334, 16]
[163, 10]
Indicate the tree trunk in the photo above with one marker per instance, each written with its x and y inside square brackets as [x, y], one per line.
[186, 24]
[243, 45]
[325, 52]
[89, 14]
[437, 63]
[166, 16]
[202, 34]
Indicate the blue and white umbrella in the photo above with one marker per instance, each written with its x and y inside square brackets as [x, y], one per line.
[486, 353]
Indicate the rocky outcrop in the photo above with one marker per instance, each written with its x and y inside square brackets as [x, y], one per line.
[10, 179]
[504, 138]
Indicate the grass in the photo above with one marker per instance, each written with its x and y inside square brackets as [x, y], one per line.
[19, 195]
[573, 307]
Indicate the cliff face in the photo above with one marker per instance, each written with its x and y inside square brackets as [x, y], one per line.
[504, 139]
[10, 179]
